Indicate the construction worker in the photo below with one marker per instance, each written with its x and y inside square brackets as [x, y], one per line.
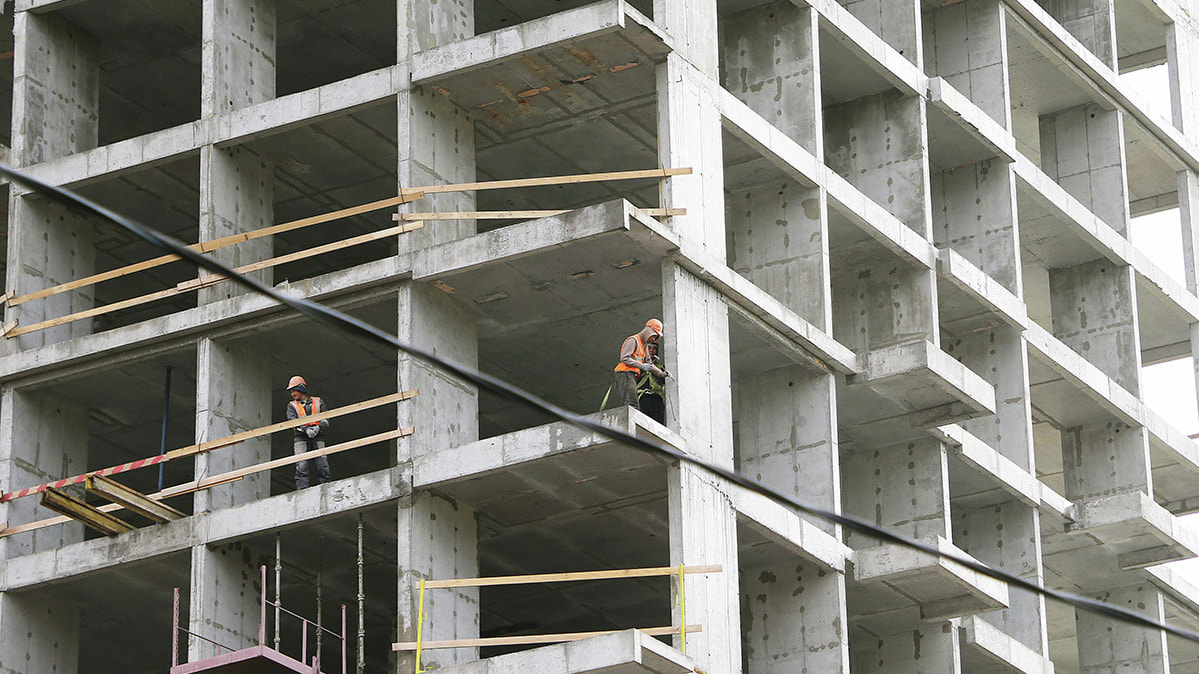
[651, 389]
[633, 363]
[310, 436]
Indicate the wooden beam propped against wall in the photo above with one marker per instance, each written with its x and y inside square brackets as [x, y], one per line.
[79, 511]
[131, 499]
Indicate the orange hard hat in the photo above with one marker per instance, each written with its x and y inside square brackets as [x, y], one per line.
[296, 382]
[655, 325]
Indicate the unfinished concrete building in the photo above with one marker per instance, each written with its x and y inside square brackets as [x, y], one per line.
[898, 281]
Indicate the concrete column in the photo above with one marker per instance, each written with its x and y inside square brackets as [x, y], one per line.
[966, 43]
[903, 488]
[778, 238]
[224, 599]
[897, 22]
[1108, 645]
[999, 355]
[692, 24]
[238, 55]
[446, 412]
[697, 354]
[237, 194]
[1082, 149]
[436, 138]
[879, 144]
[1008, 537]
[1182, 54]
[703, 524]
[795, 619]
[1094, 312]
[56, 89]
[689, 136]
[42, 438]
[1105, 459]
[787, 426]
[703, 530]
[931, 650]
[49, 245]
[233, 394]
[438, 539]
[771, 59]
[974, 213]
[1093, 22]
[881, 305]
[39, 634]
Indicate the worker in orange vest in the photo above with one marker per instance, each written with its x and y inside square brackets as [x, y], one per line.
[634, 360]
[310, 436]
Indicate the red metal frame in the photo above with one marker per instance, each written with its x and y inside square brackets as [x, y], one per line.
[261, 649]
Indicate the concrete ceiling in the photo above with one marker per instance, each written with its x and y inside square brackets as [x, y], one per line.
[149, 62]
[323, 41]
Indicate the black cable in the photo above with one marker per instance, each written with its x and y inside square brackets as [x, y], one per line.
[344, 322]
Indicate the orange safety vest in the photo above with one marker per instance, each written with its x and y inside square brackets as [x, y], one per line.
[299, 408]
[638, 353]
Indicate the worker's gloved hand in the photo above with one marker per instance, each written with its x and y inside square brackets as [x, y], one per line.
[657, 372]
[311, 431]
[665, 373]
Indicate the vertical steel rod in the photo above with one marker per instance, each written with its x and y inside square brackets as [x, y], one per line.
[166, 413]
[304, 640]
[175, 632]
[344, 635]
[361, 657]
[278, 577]
[320, 623]
[262, 616]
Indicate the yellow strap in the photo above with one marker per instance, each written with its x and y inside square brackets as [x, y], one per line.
[683, 608]
[420, 622]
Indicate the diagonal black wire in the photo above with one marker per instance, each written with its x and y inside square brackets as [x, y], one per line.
[344, 322]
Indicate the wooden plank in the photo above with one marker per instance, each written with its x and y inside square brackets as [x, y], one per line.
[224, 478]
[131, 499]
[213, 279]
[178, 490]
[511, 215]
[89, 515]
[210, 445]
[196, 284]
[606, 574]
[532, 639]
[405, 196]
[216, 244]
[477, 215]
[554, 180]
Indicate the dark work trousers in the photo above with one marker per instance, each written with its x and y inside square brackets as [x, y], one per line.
[654, 407]
[301, 444]
[624, 388]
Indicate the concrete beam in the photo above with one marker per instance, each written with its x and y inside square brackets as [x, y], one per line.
[982, 287]
[1000, 649]
[284, 510]
[1019, 483]
[782, 524]
[941, 587]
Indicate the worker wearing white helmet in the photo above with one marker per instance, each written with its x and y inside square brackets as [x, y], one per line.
[308, 437]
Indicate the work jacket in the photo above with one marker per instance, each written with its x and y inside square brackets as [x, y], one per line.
[638, 355]
[297, 409]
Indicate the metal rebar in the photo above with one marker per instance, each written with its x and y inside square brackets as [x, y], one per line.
[166, 414]
[361, 656]
[278, 577]
[320, 543]
[175, 632]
